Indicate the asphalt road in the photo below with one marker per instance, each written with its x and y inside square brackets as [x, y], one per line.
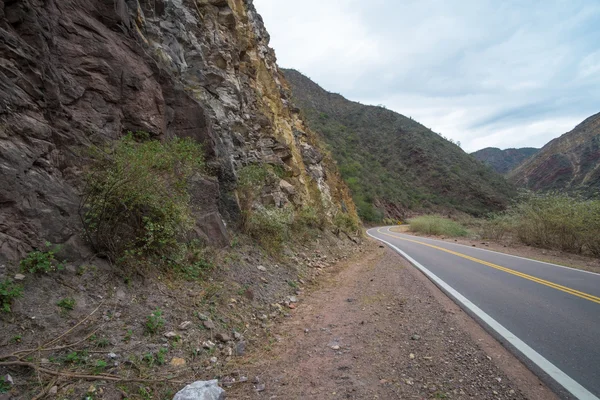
[554, 310]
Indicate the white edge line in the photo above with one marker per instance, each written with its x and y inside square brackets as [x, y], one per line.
[563, 379]
[492, 251]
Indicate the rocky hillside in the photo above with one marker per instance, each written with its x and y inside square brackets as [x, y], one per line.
[504, 161]
[570, 162]
[77, 74]
[394, 165]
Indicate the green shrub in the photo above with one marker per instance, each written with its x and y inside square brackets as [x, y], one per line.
[154, 321]
[270, 226]
[136, 202]
[8, 292]
[4, 385]
[346, 223]
[557, 221]
[437, 225]
[495, 227]
[308, 217]
[42, 261]
[67, 304]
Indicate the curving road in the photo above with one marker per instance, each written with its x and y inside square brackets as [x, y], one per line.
[547, 314]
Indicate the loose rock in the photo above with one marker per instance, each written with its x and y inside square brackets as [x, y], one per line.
[177, 362]
[208, 324]
[185, 325]
[223, 337]
[201, 390]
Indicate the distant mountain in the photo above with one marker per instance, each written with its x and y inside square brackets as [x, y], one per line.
[569, 163]
[504, 161]
[393, 164]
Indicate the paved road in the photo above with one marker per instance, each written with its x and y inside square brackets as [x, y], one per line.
[554, 310]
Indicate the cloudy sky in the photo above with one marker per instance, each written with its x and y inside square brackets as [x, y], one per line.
[510, 73]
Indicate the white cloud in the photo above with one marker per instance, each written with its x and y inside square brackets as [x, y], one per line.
[514, 73]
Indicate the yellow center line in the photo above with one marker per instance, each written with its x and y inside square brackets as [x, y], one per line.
[553, 285]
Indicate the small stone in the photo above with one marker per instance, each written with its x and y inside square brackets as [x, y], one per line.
[306, 330]
[213, 360]
[243, 379]
[293, 299]
[203, 317]
[260, 387]
[291, 306]
[208, 324]
[499, 379]
[263, 317]
[261, 268]
[53, 390]
[112, 356]
[177, 362]
[412, 356]
[336, 347]
[264, 280]
[208, 344]
[19, 277]
[240, 349]
[415, 337]
[185, 325]
[496, 393]
[171, 335]
[511, 391]
[223, 337]
[237, 336]
[9, 379]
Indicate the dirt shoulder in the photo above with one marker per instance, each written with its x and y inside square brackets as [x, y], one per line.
[516, 249]
[377, 328]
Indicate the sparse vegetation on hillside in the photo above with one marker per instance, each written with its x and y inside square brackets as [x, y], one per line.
[393, 164]
[9, 291]
[136, 203]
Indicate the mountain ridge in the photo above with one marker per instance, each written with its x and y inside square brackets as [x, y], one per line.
[411, 180]
[504, 160]
[568, 163]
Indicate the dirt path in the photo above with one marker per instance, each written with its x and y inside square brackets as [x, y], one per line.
[378, 329]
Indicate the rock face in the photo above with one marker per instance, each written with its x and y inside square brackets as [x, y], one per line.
[568, 163]
[504, 161]
[75, 73]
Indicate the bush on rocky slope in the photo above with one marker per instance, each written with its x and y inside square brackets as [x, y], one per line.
[136, 202]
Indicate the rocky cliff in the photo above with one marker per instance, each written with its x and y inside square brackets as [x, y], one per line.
[504, 161]
[77, 73]
[569, 163]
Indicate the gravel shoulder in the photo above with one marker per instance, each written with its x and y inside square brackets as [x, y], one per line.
[375, 327]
